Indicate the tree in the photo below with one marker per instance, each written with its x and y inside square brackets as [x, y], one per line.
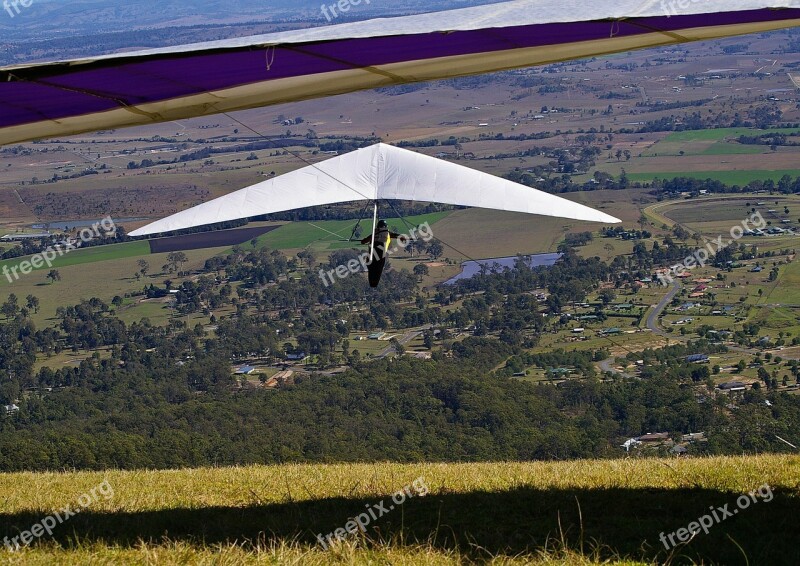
[607, 296]
[10, 307]
[54, 275]
[176, 260]
[701, 373]
[144, 267]
[421, 270]
[398, 347]
[435, 249]
[308, 257]
[32, 303]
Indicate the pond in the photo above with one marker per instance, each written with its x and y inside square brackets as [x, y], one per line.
[470, 269]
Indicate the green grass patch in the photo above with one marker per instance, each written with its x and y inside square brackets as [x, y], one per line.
[787, 291]
[674, 149]
[298, 235]
[708, 211]
[722, 133]
[725, 148]
[84, 256]
[728, 177]
[156, 311]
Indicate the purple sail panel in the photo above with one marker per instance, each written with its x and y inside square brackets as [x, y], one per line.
[52, 92]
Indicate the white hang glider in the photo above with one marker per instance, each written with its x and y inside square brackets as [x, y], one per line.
[375, 173]
[378, 172]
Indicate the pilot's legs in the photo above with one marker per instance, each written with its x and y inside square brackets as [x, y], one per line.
[375, 268]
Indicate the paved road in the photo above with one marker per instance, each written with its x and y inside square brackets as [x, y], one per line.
[652, 318]
[655, 327]
[652, 324]
[404, 339]
[608, 366]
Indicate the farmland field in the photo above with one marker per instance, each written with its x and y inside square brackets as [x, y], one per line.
[206, 240]
[728, 209]
[101, 279]
[787, 291]
[88, 255]
[716, 134]
[735, 177]
[721, 141]
[326, 235]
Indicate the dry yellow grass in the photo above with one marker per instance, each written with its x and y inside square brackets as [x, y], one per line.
[473, 512]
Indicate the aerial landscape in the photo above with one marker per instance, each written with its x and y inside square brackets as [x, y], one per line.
[582, 345]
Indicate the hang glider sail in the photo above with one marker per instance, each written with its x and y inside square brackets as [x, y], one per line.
[378, 172]
[375, 173]
[70, 97]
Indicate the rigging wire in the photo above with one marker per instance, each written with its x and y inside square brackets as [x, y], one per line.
[360, 218]
[324, 230]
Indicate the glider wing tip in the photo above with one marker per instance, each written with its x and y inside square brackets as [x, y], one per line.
[604, 218]
[144, 231]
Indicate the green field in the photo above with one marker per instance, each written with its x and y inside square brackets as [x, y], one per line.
[724, 148]
[665, 149]
[722, 133]
[727, 209]
[294, 235]
[728, 177]
[721, 141]
[103, 280]
[787, 291]
[299, 235]
[583, 512]
[85, 256]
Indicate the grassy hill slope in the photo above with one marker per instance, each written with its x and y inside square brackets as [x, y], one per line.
[582, 512]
